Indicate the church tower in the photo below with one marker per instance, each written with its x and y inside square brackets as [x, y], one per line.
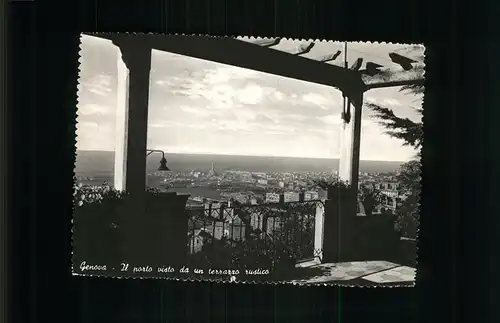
[212, 172]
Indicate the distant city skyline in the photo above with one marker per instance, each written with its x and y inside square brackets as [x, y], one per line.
[202, 107]
[93, 163]
[168, 152]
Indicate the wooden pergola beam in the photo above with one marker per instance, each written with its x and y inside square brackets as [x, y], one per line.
[389, 78]
[243, 54]
[395, 84]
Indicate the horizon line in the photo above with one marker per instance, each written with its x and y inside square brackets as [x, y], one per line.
[267, 156]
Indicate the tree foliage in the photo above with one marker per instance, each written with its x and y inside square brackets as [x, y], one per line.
[370, 197]
[411, 133]
[85, 194]
[409, 176]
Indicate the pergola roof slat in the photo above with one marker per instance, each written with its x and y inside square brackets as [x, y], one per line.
[266, 42]
[304, 48]
[331, 57]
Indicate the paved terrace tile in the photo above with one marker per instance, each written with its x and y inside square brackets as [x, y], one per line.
[345, 271]
[399, 274]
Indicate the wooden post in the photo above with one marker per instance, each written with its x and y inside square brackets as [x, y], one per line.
[350, 142]
[134, 64]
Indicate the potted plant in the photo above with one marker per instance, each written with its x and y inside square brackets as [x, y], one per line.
[370, 197]
[333, 189]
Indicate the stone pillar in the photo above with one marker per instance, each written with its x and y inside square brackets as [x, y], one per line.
[319, 227]
[134, 64]
[330, 232]
[350, 141]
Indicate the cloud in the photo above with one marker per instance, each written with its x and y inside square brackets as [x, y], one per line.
[391, 102]
[94, 109]
[331, 119]
[175, 124]
[94, 136]
[234, 125]
[279, 96]
[251, 94]
[245, 114]
[196, 111]
[218, 95]
[316, 99]
[264, 119]
[225, 74]
[278, 129]
[296, 117]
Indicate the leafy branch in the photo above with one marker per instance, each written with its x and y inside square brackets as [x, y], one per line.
[401, 128]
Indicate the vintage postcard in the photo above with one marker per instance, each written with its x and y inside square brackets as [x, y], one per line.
[248, 160]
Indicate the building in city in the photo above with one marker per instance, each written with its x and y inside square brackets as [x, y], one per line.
[302, 183]
[293, 197]
[311, 195]
[242, 198]
[273, 198]
[262, 181]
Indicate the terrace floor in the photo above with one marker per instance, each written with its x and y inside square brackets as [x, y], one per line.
[364, 273]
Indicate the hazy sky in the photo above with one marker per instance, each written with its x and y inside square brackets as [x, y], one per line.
[198, 106]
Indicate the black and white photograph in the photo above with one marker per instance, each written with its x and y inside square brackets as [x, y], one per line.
[238, 159]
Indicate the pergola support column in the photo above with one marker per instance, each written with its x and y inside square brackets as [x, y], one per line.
[134, 65]
[350, 141]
